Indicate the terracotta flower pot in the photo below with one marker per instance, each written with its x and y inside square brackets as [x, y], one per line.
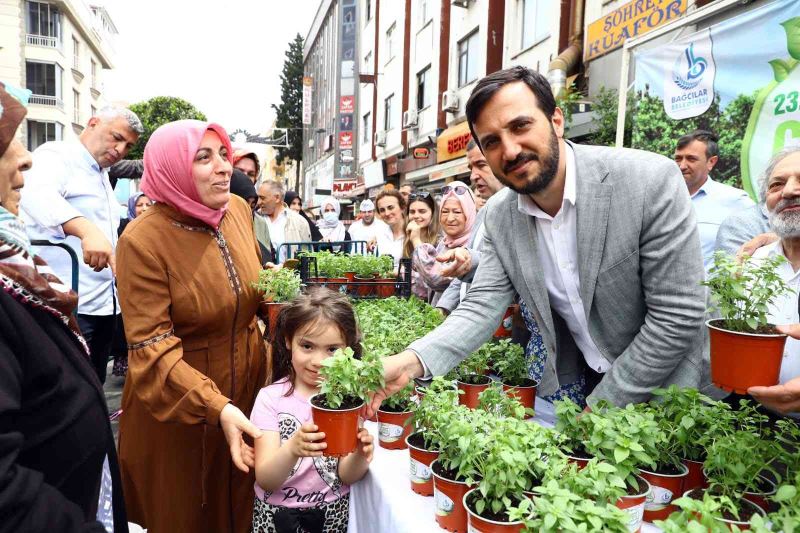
[696, 479]
[448, 497]
[340, 427]
[385, 287]
[421, 459]
[270, 312]
[760, 498]
[350, 276]
[478, 524]
[471, 392]
[633, 504]
[526, 394]
[504, 329]
[366, 288]
[579, 460]
[336, 284]
[743, 360]
[663, 489]
[393, 430]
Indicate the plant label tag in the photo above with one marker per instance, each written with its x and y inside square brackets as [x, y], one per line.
[444, 505]
[636, 514]
[389, 432]
[658, 498]
[420, 473]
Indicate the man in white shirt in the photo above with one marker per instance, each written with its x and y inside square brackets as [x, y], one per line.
[696, 154]
[284, 224]
[369, 229]
[781, 192]
[68, 199]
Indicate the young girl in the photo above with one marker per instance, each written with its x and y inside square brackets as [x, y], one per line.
[297, 488]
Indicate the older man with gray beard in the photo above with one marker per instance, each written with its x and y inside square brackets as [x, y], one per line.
[780, 190]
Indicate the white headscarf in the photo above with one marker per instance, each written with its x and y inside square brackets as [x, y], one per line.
[332, 230]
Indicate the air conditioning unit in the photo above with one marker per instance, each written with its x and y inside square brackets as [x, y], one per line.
[450, 101]
[380, 138]
[461, 3]
[410, 119]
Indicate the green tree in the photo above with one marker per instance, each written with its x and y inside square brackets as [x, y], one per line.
[290, 111]
[157, 111]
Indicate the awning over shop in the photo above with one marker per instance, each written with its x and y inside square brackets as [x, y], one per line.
[452, 143]
[439, 172]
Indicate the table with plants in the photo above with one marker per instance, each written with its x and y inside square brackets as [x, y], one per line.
[472, 450]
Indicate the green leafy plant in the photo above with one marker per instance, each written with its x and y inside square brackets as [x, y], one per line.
[735, 463]
[346, 379]
[400, 401]
[391, 324]
[742, 291]
[509, 361]
[701, 515]
[281, 285]
[473, 368]
[572, 427]
[435, 411]
[386, 266]
[158, 111]
[494, 400]
[695, 420]
[786, 518]
[463, 440]
[558, 509]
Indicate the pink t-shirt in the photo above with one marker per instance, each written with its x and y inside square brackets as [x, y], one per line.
[313, 480]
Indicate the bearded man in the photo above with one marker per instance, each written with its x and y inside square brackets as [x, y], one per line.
[600, 243]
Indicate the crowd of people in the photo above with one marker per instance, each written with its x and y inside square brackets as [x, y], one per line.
[604, 249]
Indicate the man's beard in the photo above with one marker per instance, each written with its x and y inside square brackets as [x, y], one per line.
[549, 168]
[785, 224]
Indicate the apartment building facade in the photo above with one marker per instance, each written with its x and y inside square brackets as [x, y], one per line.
[57, 49]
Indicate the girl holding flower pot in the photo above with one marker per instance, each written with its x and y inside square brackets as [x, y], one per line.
[296, 486]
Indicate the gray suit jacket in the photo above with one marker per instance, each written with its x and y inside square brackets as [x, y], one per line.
[452, 294]
[640, 272]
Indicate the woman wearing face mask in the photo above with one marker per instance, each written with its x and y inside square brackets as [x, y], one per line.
[422, 228]
[196, 356]
[57, 457]
[456, 218]
[330, 226]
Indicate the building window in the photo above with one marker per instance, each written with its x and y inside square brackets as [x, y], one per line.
[387, 113]
[368, 10]
[367, 62]
[389, 43]
[43, 78]
[76, 54]
[535, 18]
[42, 132]
[423, 100]
[94, 74]
[44, 20]
[76, 107]
[468, 59]
[366, 128]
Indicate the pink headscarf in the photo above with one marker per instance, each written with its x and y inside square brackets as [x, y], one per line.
[467, 202]
[168, 159]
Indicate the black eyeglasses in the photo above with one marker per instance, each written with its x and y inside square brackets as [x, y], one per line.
[458, 189]
[422, 195]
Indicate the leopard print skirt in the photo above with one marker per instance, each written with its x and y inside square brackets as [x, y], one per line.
[333, 517]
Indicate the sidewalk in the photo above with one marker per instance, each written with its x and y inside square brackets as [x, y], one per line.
[113, 389]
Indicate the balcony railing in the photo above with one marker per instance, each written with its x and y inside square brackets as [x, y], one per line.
[43, 99]
[42, 40]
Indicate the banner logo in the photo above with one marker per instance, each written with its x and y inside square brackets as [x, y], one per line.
[689, 85]
[694, 74]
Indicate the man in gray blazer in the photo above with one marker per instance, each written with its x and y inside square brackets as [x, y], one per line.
[600, 243]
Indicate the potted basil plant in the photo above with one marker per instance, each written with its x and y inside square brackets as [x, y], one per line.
[346, 383]
[746, 350]
[511, 365]
[278, 287]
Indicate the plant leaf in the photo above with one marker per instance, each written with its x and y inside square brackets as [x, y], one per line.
[792, 29]
[780, 69]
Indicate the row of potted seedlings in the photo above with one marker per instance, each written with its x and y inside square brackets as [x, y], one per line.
[368, 275]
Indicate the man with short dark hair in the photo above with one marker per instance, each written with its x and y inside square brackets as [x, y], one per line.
[696, 155]
[68, 199]
[600, 243]
[407, 189]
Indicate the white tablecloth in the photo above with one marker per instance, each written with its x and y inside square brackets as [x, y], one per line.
[384, 502]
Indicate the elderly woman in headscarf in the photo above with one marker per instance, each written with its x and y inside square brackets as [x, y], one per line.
[456, 218]
[295, 203]
[196, 355]
[330, 226]
[58, 465]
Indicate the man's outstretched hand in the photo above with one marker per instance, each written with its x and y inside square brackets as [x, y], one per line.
[782, 398]
[397, 371]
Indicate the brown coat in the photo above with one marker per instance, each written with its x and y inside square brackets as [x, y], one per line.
[194, 346]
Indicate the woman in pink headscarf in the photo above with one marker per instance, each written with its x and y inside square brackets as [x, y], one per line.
[456, 219]
[196, 356]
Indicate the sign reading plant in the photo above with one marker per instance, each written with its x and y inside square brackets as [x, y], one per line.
[746, 350]
[345, 386]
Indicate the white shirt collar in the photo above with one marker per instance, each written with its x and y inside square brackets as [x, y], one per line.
[525, 203]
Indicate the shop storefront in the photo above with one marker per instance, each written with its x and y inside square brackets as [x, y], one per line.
[451, 161]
